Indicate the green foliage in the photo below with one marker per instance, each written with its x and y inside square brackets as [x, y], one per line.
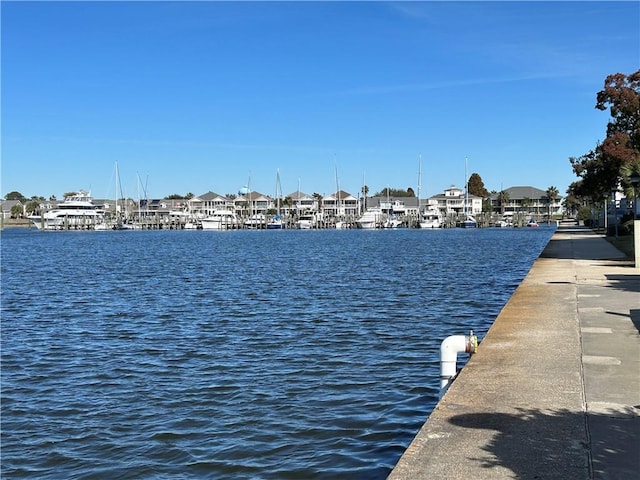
[32, 206]
[602, 168]
[475, 186]
[15, 196]
[16, 211]
[584, 213]
[394, 192]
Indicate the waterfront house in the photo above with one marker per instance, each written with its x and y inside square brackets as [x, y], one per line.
[6, 206]
[300, 203]
[339, 204]
[454, 200]
[204, 205]
[527, 200]
[253, 203]
[395, 206]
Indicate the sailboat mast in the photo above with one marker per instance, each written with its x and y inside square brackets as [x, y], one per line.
[419, 182]
[337, 192]
[466, 187]
[278, 191]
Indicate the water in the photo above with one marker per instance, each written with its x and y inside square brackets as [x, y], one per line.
[245, 354]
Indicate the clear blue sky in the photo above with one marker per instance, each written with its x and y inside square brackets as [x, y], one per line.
[199, 96]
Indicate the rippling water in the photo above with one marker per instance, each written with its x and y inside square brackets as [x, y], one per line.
[245, 354]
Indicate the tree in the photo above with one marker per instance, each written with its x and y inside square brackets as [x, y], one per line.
[16, 211]
[318, 198]
[32, 207]
[288, 201]
[552, 195]
[600, 169]
[573, 200]
[15, 196]
[395, 192]
[475, 186]
[503, 199]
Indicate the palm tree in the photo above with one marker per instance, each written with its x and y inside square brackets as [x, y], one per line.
[552, 195]
[503, 198]
[365, 192]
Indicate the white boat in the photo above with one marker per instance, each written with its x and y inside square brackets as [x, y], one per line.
[76, 211]
[372, 218]
[431, 218]
[220, 220]
[306, 222]
[256, 221]
[532, 223]
[392, 222]
[469, 221]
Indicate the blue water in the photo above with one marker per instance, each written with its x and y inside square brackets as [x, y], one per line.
[244, 354]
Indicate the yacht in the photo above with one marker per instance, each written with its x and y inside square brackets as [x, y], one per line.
[372, 218]
[431, 218]
[75, 212]
[306, 222]
[221, 220]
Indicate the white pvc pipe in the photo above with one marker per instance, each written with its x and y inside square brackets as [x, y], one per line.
[449, 349]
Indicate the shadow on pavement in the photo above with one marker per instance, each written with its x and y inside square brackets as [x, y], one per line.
[627, 283]
[535, 444]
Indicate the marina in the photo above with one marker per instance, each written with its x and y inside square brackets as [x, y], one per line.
[242, 355]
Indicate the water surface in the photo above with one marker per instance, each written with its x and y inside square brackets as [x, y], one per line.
[244, 354]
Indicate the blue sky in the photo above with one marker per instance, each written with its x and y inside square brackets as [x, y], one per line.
[200, 96]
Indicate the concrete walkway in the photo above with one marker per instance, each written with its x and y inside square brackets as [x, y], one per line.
[554, 390]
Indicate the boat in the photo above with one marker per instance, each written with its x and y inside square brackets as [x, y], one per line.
[77, 211]
[532, 223]
[371, 218]
[469, 222]
[256, 221]
[392, 222]
[275, 223]
[306, 222]
[220, 220]
[431, 218]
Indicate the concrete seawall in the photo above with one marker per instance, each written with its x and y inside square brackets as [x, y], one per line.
[554, 390]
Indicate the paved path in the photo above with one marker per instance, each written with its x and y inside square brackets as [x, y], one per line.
[554, 390]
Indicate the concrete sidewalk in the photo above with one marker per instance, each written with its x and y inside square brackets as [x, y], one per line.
[554, 390]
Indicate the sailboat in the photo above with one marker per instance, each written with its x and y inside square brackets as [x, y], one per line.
[117, 222]
[339, 223]
[430, 217]
[276, 223]
[469, 221]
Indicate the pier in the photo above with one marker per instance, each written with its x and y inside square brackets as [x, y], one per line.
[554, 390]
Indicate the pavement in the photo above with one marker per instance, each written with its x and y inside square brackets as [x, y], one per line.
[554, 389]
